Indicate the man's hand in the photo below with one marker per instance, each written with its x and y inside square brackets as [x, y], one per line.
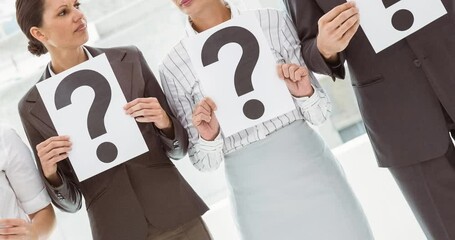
[336, 29]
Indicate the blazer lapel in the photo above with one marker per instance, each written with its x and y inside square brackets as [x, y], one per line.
[329, 5]
[38, 110]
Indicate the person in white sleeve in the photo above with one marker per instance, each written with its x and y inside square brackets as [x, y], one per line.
[25, 207]
[284, 181]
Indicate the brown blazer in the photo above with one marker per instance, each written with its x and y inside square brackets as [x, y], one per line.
[148, 189]
[399, 90]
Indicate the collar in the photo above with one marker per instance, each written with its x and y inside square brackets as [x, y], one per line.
[189, 27]
[113, 56]
[52, 72]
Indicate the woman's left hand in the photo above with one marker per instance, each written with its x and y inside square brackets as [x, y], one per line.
[17, 229]
[297, 79]
[149, 110]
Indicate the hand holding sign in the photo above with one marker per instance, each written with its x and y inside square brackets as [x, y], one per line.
[237, 70]
[297, 79]
[50, 152]
[336, 29]
[149, 110]
[86, 103]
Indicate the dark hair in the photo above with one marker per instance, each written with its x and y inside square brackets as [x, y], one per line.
[29, 13]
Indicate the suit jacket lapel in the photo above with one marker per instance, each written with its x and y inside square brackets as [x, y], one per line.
[38, 110]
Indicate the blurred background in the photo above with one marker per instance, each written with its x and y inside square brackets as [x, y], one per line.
[154, 27]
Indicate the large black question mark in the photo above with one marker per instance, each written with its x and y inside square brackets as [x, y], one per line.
[253, 108]
[107, 151]
[403, 19]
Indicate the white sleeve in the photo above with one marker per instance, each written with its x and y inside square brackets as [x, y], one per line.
[23, 175]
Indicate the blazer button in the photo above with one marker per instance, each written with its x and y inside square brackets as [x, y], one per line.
[417, 63]
[60, 196]
[176, 144]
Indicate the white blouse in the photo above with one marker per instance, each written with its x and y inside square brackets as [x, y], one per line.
[21, 189]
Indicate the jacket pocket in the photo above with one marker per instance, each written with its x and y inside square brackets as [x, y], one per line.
[371, 81]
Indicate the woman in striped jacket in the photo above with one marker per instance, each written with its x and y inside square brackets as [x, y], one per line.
[284, 181]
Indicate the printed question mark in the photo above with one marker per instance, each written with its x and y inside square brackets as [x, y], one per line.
[403, 19]
[107, 151]
[253, 108]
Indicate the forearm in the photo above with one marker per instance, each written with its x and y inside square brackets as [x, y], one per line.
[63, 190]
[169, 132]
[317, 63]
[306, 23]
[317, 108]
[43, 222]
[66, 196]
[207, 156]
[175, 143]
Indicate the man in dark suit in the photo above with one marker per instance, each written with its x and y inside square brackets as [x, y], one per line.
[405, 94]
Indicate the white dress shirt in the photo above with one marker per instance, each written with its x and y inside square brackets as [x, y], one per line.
[183, 91]
[21, 189]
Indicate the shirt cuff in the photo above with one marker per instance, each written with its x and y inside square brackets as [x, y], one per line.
[210, 146]
[39, 202]
[307, 102]
[171, 143]
[61, 192]
[165, 138]
[337, 69]
[338, 64]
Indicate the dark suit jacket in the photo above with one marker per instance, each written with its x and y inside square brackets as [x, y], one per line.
[147, 189]
[399, 90]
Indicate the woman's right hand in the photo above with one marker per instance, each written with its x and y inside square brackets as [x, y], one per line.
[50, 152]
[204, 119]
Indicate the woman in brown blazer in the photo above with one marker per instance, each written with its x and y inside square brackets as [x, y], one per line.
[144, 198]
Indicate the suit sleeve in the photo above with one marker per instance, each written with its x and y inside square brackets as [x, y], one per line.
[175, 148]
[66, 197]
[305, 14]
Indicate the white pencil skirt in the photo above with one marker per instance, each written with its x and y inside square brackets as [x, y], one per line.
[289, 186]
